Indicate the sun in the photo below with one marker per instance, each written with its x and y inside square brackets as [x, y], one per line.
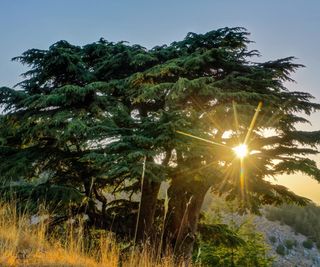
[241, 150]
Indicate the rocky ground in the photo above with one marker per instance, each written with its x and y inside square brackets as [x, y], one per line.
[295, 254]
[286, 246]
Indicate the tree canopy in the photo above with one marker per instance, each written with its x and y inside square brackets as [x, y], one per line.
[77, 130]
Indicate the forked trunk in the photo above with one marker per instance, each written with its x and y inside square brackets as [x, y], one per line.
[185, 204]
[148, 205]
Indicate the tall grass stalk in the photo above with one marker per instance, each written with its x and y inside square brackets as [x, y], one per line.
[181, 226]
[166, 208]
[139, 210]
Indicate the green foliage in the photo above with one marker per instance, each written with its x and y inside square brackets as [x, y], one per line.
[308, 244]
[55, 197]
[289, 244]
[272, 239]
[255, 252]
[220, 234]
[251, 251]
[281, 250]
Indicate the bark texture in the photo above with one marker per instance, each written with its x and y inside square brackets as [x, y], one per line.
[186, 199]
[147, 210]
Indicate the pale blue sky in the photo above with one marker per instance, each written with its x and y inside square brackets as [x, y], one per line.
[280, 28]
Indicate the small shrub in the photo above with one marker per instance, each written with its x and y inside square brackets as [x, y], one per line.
[272, 239]
[281, 250]
[308, 244]
[290, 243]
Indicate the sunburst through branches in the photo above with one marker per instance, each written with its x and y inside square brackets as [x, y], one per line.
[241, 151]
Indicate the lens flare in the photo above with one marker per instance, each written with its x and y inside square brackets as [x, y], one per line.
[241, 150]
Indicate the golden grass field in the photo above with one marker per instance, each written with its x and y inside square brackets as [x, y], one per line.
[23, 244]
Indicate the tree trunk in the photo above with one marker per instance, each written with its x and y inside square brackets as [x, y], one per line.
[186, 199]
[147, 210]
[149, 197]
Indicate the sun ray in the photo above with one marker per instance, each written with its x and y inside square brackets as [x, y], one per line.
[253, 121]
[242, 178]
[242, 150]
[236, 121]
[202, 139]
[227, 174]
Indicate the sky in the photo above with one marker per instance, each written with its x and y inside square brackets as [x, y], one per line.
[280, 28]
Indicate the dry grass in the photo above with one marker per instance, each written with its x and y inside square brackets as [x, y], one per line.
[23, 244]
